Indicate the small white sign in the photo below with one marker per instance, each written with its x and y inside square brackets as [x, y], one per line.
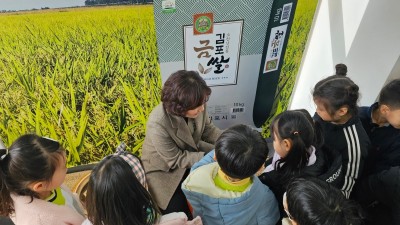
[287, 9]
[215, 56]
[275, 45]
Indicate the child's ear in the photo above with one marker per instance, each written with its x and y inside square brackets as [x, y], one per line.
[287, 144]
[384, 109]
[261, 170]
[38, 186]
[343, 110]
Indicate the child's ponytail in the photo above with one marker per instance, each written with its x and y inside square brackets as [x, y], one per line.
[6, 204]
[318, 133]
[337, 91]
[297, 127]
[299, 143]
[341, 69]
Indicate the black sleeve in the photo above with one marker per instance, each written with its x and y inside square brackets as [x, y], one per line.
[271, 179]
[383, 187]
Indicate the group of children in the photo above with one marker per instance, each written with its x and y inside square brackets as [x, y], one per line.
[344, 152]
[33, 169]
[320, 172]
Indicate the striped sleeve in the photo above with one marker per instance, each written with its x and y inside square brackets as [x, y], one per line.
[352, 169]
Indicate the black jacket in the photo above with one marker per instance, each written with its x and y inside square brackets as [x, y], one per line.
[326, 167]
[385, 140]
[379, 193]
[350, 141]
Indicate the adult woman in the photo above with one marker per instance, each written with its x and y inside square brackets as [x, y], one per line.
[178, 134]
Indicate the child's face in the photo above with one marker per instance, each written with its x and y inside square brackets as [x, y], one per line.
[279, 146]
[393, 117]
[59, 174]
[322, 111]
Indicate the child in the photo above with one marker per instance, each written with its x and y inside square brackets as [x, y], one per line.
[382, 123]
[298, 151]
[313, 201]
[31, 173]
[227, 191]
[117, 195]
[336, 101]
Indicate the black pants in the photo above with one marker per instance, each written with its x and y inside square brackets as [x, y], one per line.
[178, 202]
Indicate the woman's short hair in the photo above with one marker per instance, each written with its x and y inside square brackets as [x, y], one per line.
[183, 91]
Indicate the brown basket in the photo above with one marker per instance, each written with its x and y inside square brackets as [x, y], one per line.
[77, 180]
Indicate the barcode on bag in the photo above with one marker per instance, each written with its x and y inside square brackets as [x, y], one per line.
[287, 8]
[237, 110]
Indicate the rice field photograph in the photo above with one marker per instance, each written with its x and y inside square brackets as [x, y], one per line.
[87, 77]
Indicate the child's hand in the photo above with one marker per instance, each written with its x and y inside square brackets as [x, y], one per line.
[195, 221]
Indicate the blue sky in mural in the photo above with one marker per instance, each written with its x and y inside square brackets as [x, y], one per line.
[37, 4]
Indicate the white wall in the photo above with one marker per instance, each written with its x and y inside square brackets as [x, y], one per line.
[363, 34]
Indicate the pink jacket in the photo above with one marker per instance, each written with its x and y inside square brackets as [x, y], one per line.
[40, 212]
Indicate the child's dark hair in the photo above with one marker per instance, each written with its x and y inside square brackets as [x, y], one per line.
[318, 135]
[298, 127]
[341, 69]
[390, 95]
[30, 158]
[312, 201]
[337, 91]
[241, 151]
[115, 196]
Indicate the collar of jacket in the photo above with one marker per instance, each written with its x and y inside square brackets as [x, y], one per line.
[182, 129]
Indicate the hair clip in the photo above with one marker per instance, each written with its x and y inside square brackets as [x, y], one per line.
[296, 133]
[3, 156]
[133, 162]
[51, 139]
[121, 148]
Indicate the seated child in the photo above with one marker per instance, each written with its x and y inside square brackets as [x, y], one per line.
[228, 191]
[313, 201]
[31, 173]
[117, 195]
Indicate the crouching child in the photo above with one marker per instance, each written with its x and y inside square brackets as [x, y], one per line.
[223, 187]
